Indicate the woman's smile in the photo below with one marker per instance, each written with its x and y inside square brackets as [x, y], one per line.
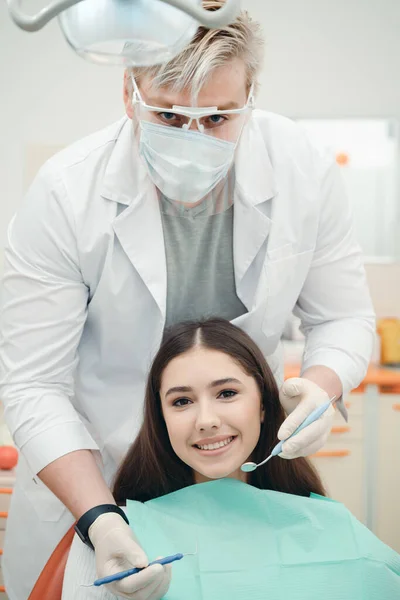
[216, 448]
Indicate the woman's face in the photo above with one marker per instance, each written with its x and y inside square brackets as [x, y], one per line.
[213, 413]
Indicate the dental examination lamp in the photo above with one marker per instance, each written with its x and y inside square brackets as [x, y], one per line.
[127, 32]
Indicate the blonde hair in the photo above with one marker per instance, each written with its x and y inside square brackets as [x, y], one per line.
[208, 50]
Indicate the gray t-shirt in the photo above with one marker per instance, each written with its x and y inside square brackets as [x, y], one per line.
[199, 251]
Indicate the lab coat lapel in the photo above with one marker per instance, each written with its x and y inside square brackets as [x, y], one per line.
[138, 226]
[255, 185]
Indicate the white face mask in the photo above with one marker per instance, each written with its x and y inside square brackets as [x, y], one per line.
[184, 165]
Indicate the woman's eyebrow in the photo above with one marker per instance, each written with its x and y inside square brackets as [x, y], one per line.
[179, 388]
[216, 383]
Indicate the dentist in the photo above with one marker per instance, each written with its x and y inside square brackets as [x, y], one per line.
[194, 204]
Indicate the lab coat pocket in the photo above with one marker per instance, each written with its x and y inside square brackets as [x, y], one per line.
[285, 278]
[45, 504]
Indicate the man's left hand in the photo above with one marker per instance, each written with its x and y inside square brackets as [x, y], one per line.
[299, 397]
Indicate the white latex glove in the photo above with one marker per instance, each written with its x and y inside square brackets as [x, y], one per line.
[116, 550]
[299, 397]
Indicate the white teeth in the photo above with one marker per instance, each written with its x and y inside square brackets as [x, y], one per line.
[217, 445]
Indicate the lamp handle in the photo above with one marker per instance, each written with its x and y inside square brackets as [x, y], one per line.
[211, 19]
[38, 21]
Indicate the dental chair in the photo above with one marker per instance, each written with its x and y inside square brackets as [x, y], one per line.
[50, 582]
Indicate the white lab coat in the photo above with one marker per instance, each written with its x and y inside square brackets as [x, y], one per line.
[85, 278]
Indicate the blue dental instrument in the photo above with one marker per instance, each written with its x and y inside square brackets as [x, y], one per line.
[160, 561]
[248, 467]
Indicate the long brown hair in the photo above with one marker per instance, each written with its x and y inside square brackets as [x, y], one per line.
[151, 467]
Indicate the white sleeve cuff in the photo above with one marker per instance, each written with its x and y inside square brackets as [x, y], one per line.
[55, 442]
[350, 371]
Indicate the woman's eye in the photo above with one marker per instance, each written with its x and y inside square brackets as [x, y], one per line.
[181, 402]
[228, 393]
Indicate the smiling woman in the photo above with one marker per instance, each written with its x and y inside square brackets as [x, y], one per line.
[217, 423]
[211, 404]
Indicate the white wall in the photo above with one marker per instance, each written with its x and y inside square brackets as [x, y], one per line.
[331, 59]
[384, 283]
[322, 59]
[47, 96]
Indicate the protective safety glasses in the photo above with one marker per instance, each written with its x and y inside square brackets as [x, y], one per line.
[222, 124]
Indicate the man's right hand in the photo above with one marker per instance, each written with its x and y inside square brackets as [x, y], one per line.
[117, 550]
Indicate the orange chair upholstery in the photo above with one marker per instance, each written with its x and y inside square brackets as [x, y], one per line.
[4, 515]
[50, 582]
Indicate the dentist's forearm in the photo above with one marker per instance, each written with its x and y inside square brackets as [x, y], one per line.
[326, 378]
[77, 481]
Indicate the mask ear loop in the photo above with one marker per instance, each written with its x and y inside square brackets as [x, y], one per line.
[251, 100]
[250, 104]
[136, 102]
[136, 96]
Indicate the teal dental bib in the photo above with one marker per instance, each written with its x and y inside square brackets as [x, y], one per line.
[262, 545]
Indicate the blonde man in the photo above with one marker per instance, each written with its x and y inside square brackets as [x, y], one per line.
[193, 205]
